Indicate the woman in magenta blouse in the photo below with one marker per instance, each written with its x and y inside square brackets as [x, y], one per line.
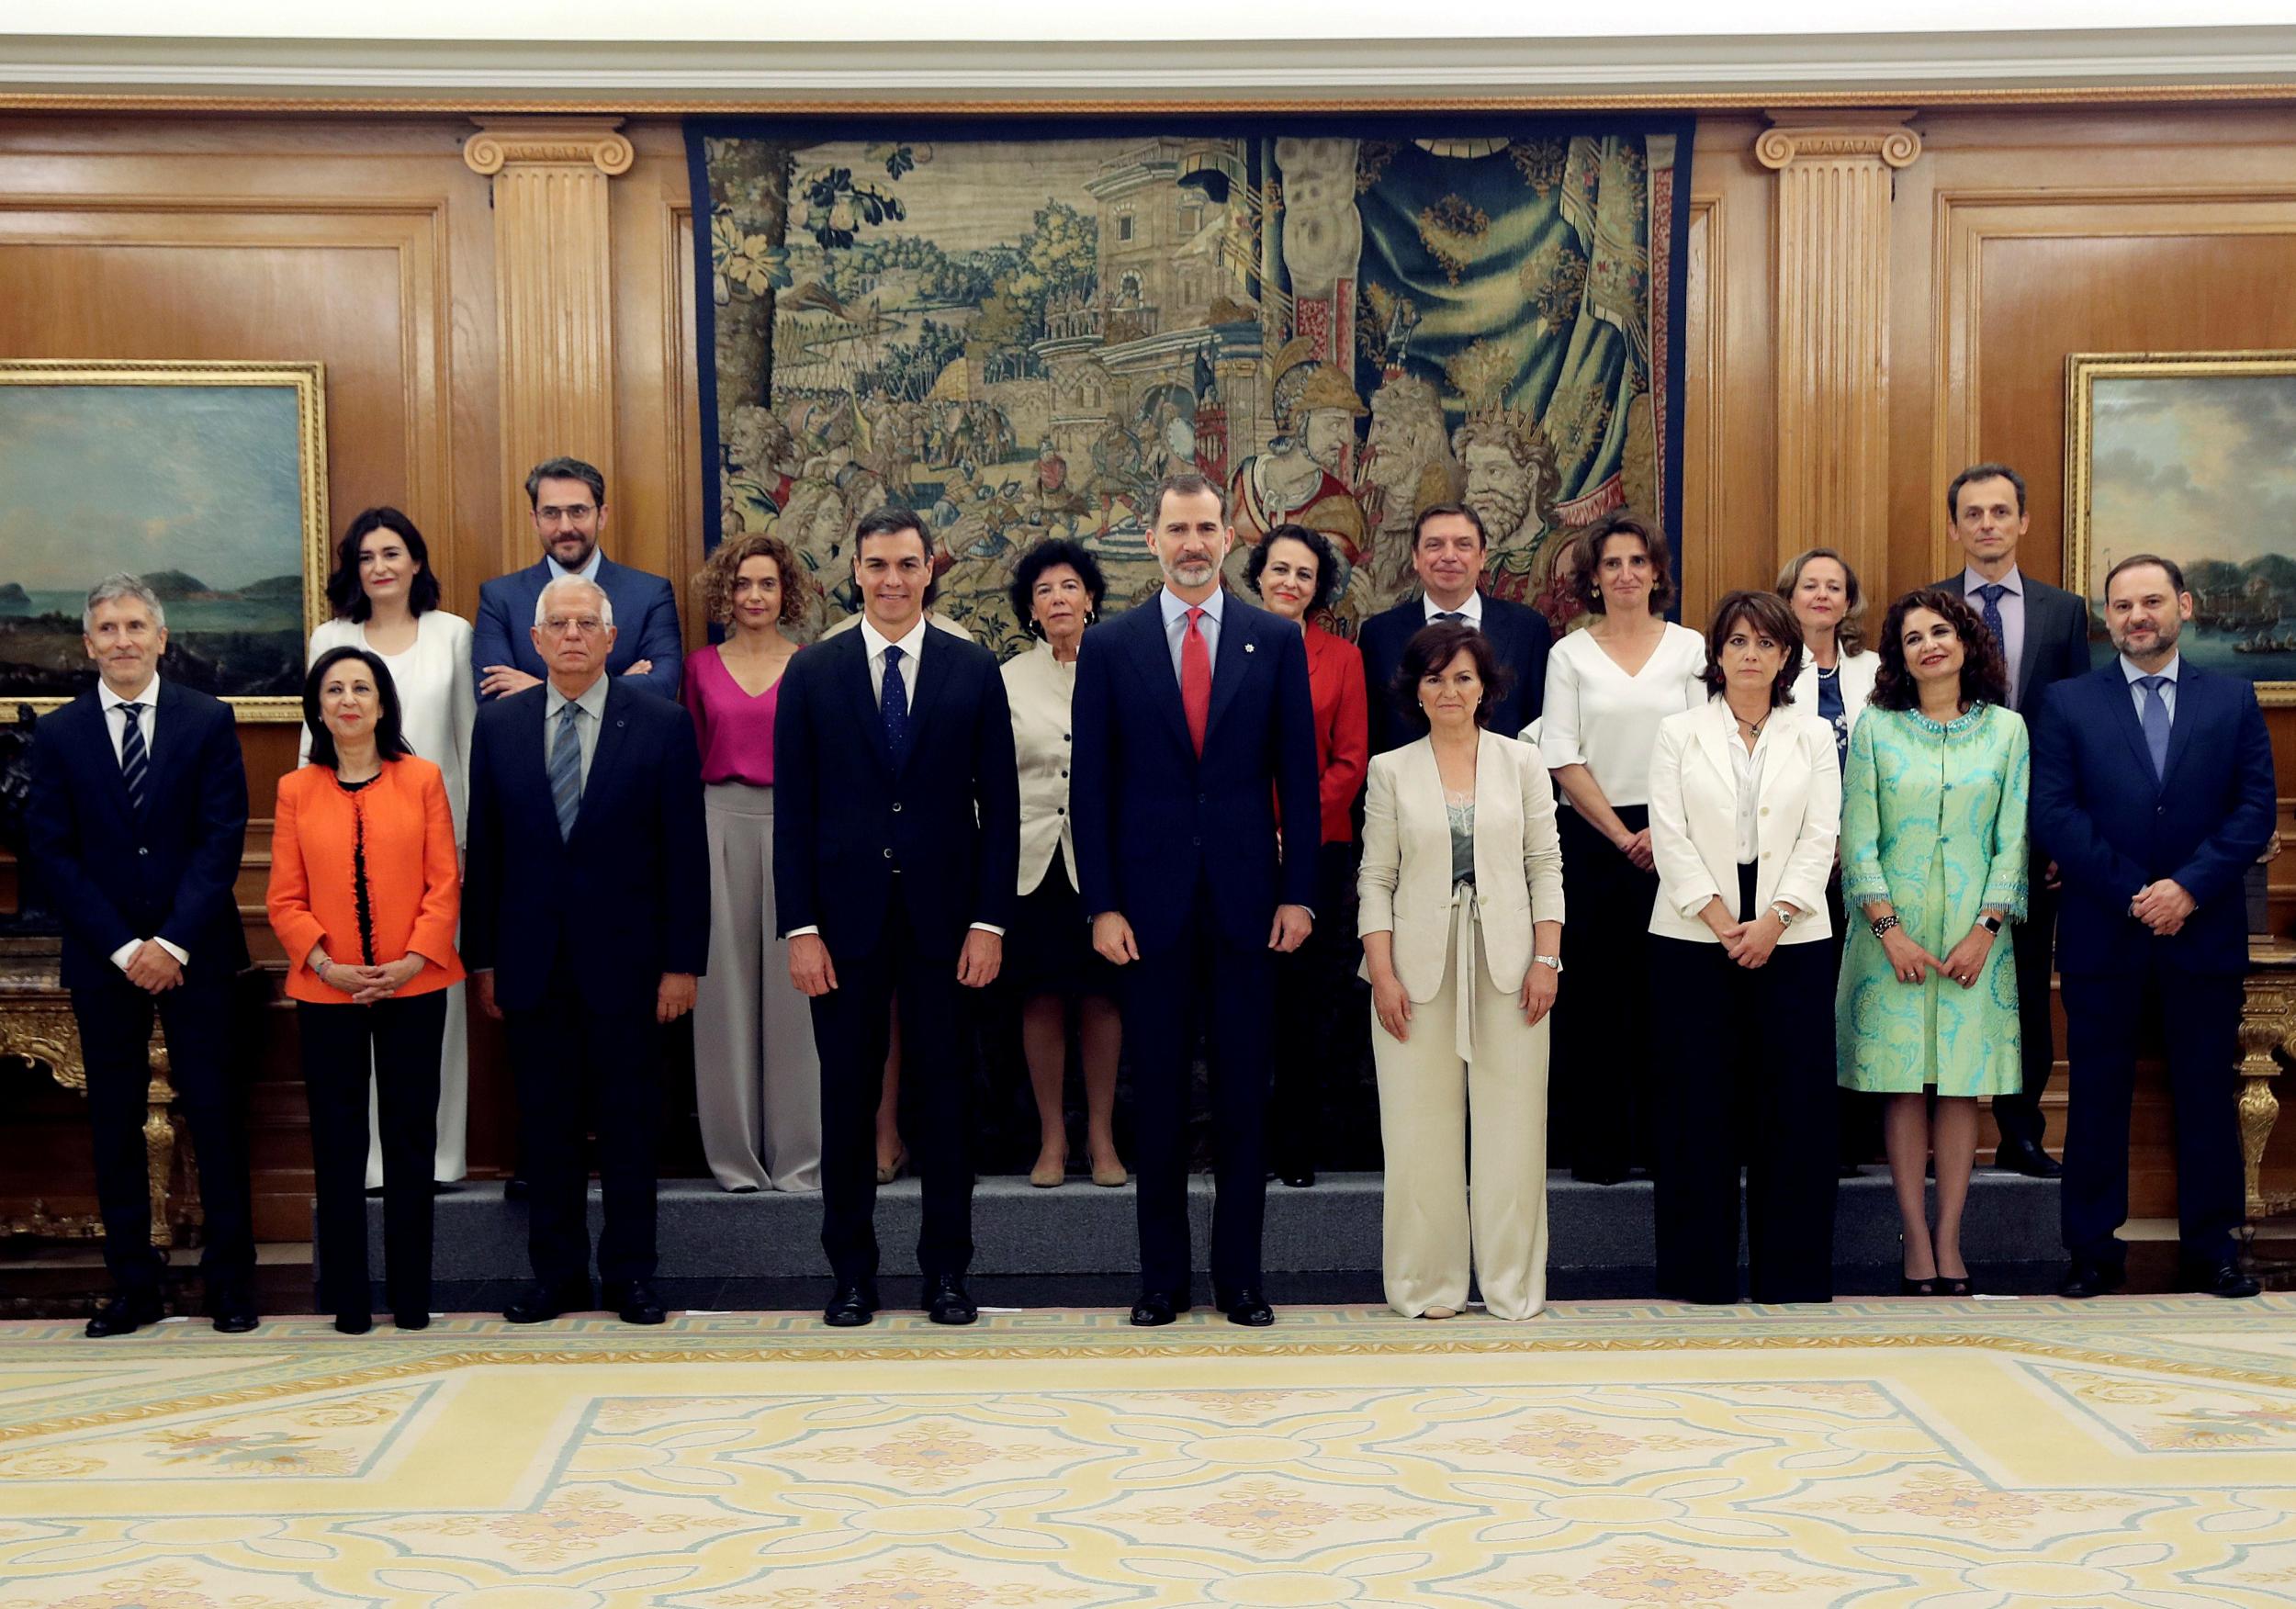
[756, 1082]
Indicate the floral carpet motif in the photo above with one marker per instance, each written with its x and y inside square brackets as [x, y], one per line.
[2133, 1454]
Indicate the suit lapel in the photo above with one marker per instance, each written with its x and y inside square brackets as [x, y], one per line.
[852, 679]
[1230, 661]
[2124, 718]
[529, 760]
[1716, 732]
[2188, 696]
[1154, 656]
[113, 782]
[166, 745]
[1424, 778]
[605, 767]
[2039, 606]
[932, 675]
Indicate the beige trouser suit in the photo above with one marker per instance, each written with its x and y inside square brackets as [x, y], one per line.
[1461, 950]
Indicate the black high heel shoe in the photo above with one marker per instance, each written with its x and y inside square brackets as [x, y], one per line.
[1916, 1286]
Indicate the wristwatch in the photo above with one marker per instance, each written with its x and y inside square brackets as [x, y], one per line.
[1548, 960]
[1787, 916]
[1989, 922]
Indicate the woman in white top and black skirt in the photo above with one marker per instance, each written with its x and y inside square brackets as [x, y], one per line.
[1608, 686]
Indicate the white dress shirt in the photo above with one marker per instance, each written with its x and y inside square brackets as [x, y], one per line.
[1746, 768]
[592, 704]
[1469, 612]
[2167, 690]
[1176, 623]
[1598, 716]
[147, 719]
[2012, 607]
[589, 571]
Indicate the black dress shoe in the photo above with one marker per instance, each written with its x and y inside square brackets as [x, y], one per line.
[2223, 1279]
[1249, 1308]
[2090, 1279]
[355, 1323]
[1299, 1178]
[126, 1313]
[514, 1187]
[1156, 1307]
[541, 1303]
[633, 1302]
[412, 1320]
[946, 1302]
[2024, 1157]
[232, 1310]
[852, 1305]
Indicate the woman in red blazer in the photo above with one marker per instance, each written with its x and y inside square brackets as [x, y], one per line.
[1295, 572]
[364, 896]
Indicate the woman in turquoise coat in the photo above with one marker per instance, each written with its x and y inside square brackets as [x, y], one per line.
[1933, 851]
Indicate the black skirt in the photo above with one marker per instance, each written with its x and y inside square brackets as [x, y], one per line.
[1048, 950]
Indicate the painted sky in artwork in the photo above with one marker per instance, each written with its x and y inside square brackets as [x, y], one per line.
[99, 479]
[2198, 467]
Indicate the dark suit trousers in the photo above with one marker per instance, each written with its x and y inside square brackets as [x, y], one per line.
[115, 1020]
[1201, 981]
[2018, 1116]
[851, 1026]
[1745, 1056]
[1601, 1080]
[403, 1038]
[2199, 1014]
[1325, 1023]
[582, 1062]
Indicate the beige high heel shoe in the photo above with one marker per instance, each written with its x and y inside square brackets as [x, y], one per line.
[1049, 1174]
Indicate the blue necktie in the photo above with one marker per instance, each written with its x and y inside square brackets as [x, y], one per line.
[135, 762]
[565, 769]
[893, 707]
[2155, 724]
[1991, 594]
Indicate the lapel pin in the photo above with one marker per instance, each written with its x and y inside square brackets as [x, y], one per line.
[1249, 647]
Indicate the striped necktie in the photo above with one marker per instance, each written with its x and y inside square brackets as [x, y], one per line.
[566, 768]
[135, 760]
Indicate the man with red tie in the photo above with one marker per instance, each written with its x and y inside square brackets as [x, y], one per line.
[1193, 729]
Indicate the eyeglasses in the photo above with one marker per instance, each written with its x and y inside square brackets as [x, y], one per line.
[587, 624]
[551, 514]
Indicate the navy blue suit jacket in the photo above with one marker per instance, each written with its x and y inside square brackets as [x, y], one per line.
[112, 874]
[2112, 828]
[644, 620]
[846, 818]
[1152, 820]
[1520, 637]
[629, 892]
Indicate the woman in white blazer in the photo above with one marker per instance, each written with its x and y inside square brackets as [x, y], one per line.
[1745, 808]
[1461, 922]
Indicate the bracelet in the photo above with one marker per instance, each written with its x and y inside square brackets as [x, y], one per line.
[1882, 925]
[321, 971]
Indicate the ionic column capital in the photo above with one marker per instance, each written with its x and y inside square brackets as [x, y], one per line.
[591, 142]
[1802, 137]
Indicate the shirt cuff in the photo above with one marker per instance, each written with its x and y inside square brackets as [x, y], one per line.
[127, 953]
[989, 927]
[802, 932]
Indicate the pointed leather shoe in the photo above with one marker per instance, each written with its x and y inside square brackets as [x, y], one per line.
[634, 1302]
[946, 1302]
[2088, 1279]
[1156, 1308]
[2223, 1279]
[2024, 1157]
[1249, 1308]
[852, 1305]
[126, 1313]
[540, 1303]
[232, 1310]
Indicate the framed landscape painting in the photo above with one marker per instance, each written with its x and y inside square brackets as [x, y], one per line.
[2191, 455]
[208, 479]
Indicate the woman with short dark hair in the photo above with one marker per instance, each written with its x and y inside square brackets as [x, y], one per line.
[1933, 850]
[385, 600]
[1745, 806]
[1461, 925]
[364, 895]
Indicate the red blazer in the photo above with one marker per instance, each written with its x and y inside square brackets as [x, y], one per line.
[1342, 733]
[414, 893]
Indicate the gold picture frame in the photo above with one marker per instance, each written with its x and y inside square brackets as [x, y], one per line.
[208, 479]
[2173, 452]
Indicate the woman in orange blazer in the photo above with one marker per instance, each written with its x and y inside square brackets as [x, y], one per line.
[364, 896]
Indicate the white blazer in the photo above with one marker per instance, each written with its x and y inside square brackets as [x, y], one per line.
[1855, 673]
[1406, 881]
[1693, 819]
[1038, 689]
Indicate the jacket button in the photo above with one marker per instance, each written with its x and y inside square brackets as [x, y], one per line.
[1066, 738]
[896, 807]
[1059, 809]
[888, 854]
[1198, 842]
[141, 850]
[1064, 774]
[1765, 810]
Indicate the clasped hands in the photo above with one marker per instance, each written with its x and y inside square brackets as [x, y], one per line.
[1960, 965]
[2163, 906]
[366, 984]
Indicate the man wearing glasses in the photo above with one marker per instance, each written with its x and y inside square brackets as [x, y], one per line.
[585, 920]
[568, 499]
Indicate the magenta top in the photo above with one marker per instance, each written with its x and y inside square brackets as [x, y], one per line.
[736, 730]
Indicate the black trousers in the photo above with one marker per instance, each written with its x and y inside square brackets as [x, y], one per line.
[1600, 1089]
[2035, 945]
[1745, 1053]
[2199, 1017]
[851, 1027]
[404, 1038]
[1324, 1022]
[1202, 983]
[581, 1062]
[115, 1019]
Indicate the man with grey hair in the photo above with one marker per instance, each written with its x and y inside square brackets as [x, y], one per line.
[138, 817]
[585, 919]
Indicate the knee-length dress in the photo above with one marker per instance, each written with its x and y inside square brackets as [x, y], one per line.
[1933, 821]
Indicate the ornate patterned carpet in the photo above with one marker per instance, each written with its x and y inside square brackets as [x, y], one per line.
[2130, 1452]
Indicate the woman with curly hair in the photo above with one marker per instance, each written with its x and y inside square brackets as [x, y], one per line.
[757, 1080]
[1933, 855]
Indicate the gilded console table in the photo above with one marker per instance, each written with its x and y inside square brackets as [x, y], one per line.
[2268, 1035]
[36, 1024]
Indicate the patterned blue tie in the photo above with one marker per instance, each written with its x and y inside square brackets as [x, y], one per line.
[2155, 724]
[565, 769]
[894, 707]
[135, 762]
[1991, 594]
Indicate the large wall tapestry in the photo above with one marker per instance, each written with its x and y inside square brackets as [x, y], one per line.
[1018, 330]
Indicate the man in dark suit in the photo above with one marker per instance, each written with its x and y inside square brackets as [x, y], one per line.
[2153, 788]
[897, 848]
[569, 500]
[2043, 635]
[1193, 723]
[1447, 549]
[137, 815]
[585, 920]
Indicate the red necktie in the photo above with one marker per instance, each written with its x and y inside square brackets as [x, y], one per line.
[1196, 680]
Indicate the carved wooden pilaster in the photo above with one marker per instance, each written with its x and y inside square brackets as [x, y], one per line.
[554, 290]
[1834, 173]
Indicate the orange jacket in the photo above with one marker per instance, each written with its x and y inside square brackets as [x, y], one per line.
[414, 893]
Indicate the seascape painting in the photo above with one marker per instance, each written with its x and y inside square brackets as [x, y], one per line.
[2193, 457]
[207, 480]
[1019, 335]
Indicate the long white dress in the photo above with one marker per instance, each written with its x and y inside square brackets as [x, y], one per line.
[437, 707]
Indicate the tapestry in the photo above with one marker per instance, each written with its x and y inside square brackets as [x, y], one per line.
[1017, 330]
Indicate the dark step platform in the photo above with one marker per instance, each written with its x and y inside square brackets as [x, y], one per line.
[1076, 1245]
